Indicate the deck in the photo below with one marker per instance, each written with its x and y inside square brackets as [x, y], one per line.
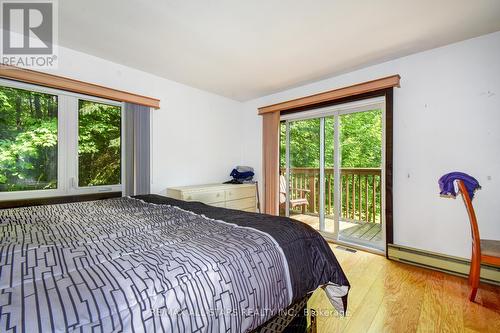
[363, 231]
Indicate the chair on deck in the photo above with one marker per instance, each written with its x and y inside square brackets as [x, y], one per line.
[302, 201]
[483, 250]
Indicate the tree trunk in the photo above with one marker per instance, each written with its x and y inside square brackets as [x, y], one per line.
[52, 109]
[38, 109]
[18, 112]
[32, 111]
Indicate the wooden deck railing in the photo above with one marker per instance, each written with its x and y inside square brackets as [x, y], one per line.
[360, 190]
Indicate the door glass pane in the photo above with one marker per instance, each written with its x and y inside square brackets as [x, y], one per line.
[28, 140]
[99, 144]
[329, 175]
[282, 189]
[361, 162]
[304, 171]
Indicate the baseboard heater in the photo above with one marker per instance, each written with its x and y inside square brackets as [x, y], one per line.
[441, 262]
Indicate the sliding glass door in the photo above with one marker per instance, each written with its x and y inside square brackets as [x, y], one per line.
[299, 178]
[360, 150]
[331, 171]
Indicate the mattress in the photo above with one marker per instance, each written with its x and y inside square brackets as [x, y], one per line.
[153, 264]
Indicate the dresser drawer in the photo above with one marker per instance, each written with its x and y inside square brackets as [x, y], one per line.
[204, 196]
[241, 203]
[239, 196]
[239, 193]
[218, 204]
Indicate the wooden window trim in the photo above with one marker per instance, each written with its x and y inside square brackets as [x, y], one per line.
[76, 86]
[328, 96]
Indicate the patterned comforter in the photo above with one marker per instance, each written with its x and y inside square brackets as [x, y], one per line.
[152, 264]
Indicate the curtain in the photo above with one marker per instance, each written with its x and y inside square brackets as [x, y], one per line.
[137, 149]
[271, 146]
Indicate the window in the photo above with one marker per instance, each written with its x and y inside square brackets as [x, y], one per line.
[55, 143]
[28, 140]
[99, 144]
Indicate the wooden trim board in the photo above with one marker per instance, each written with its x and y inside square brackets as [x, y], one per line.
[80, 87]
[389, 174]
[357, 89]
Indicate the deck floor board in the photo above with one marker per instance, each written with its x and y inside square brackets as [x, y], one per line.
[364, 231]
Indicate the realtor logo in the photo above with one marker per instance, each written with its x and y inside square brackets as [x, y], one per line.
[29, 33]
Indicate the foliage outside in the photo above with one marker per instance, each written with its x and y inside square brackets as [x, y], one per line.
[29, 141]
[99, 147]
[360, 141]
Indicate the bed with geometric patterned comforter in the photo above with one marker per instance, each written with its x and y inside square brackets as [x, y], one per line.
[155, 264]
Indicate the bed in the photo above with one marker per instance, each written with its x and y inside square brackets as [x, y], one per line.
[151, 264]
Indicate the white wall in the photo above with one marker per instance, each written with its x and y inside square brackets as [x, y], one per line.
[446, 118]
[195, 134]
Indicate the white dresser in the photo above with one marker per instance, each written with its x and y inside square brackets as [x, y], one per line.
[233, 196]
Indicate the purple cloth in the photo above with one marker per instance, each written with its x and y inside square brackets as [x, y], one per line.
[247, 175]
[447, 188]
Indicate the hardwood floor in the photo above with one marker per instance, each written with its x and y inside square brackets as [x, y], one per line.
[388, 296]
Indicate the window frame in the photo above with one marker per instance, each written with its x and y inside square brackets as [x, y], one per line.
[67, 145]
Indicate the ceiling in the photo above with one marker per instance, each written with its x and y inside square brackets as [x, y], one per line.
[245, 49]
